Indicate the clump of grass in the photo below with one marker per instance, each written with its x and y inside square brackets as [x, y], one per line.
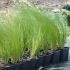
[26, 27]
[59, 24]
[11, 40]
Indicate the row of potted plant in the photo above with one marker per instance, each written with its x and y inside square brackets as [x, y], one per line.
[30, 39]
[51, 58]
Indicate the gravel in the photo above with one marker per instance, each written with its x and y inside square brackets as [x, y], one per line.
[48, 4]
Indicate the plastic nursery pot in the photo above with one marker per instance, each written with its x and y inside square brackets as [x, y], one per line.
[13, 67]
[47, 59]
[28, 65]
[24, 66]
[32, 64]
[64, 54]
[67, 7]
[40, 61]
[55, 57]
[68, 20]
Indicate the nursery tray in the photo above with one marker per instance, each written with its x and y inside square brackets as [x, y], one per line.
[51, 58]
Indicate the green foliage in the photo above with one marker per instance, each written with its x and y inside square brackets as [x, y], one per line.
[59, 24]
[11, 37]
[24, 27]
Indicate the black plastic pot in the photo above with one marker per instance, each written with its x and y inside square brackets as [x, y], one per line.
[32, 64]
[28, 65]
[67, 7]
[68, 20]
[24, 66]
[55, 57]
[64, 54]
[40, 61]
[47, 59]
[13, 67]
